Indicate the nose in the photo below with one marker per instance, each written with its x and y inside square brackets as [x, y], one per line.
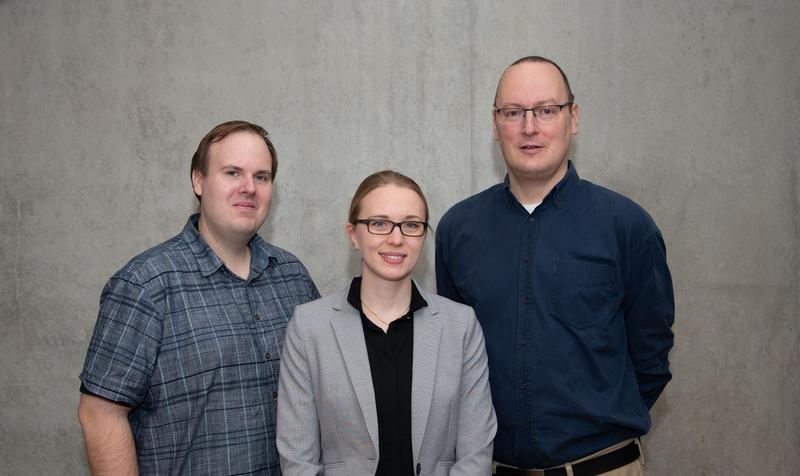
[247, 185]
[529, 125]
[395, 237]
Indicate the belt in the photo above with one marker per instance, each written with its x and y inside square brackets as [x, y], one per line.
[601, 464]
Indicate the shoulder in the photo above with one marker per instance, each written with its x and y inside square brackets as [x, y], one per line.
[483, 201]
[277, 254]
[620, 209]
[324, 304]
[449, 310]
[319, 312]
[170, 256]
[280, 255]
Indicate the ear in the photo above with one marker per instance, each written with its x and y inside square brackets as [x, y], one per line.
[350, 230]
[197, 182]
[494, 124]
[574, 119]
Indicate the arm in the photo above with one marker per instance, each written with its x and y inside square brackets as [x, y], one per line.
[649, 313]
[311, 288]
[298, 434]
[477, 423]
[121, 357]
[107, 435]
[444, 282]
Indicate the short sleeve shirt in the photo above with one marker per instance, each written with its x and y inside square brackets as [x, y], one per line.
[194, 350]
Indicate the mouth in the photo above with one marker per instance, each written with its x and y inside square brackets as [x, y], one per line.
[393, 258]
[531, 148]
[245, 206]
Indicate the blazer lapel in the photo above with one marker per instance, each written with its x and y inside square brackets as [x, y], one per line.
[427, 332]
[350, 338]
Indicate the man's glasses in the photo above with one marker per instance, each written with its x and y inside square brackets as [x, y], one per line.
[516, 115]
[379, 226]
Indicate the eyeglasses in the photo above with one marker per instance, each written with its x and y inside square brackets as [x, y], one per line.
[379, 226]
[516, 115]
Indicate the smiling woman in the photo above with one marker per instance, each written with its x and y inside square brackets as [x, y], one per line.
[347, 402]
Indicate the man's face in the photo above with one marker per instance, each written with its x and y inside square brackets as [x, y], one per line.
[236, 191]
[534, 151]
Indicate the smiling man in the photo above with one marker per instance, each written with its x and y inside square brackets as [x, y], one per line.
[570, 283]
[181, 375]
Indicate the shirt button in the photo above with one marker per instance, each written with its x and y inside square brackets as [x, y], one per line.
[267, 355]
[525, 300]
[258, 317]
[530, 219]
[523, 341]
[523, 386]
[274, 394]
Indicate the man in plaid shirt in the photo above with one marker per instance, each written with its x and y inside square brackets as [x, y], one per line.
[181, 375]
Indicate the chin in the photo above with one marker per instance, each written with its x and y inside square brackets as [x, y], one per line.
[398, 276]
[391, 276]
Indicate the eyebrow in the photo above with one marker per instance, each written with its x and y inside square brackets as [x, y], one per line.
[546, 102]
[239, 169]
[386, 217]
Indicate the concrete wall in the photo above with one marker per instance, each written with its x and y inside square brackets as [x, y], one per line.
[690, 108]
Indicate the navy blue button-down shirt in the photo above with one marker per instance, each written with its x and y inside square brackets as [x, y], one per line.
[195, 351]
[576, 304]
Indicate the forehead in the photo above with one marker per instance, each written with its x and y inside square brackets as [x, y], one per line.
[530, 83]
[241, 148]
[393, 201]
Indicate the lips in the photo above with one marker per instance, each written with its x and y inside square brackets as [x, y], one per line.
[530, 147]
[393, 258]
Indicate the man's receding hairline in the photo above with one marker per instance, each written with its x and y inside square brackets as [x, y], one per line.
[536, 60]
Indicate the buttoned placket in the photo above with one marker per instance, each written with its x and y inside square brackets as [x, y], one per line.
[525, 353]
[244, 290]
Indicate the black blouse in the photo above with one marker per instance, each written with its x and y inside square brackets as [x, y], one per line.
[390, 362]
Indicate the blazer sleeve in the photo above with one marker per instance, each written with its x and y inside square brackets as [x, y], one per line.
[298, 434]
[477, 423]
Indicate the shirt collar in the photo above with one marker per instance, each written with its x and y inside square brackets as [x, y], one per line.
[559, 194]
[354, 297]
[209, 262]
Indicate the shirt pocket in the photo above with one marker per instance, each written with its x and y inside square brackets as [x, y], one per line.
[583, 293]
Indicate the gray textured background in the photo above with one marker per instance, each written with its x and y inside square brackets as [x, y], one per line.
[689, 108]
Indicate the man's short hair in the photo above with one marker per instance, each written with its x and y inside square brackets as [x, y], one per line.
[200, 157]
[537, 59]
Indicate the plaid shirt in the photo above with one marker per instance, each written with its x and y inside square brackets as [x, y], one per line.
[195, 351]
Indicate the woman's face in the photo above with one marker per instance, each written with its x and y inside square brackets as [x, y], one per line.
[389, 257]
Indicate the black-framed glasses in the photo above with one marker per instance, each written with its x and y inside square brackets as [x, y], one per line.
[516, 115]
[381, 226]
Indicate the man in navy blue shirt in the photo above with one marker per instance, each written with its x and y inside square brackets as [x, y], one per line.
[570, 283]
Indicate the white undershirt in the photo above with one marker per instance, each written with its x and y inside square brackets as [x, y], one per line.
[531, 206]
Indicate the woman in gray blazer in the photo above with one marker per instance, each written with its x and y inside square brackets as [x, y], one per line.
[385, 378]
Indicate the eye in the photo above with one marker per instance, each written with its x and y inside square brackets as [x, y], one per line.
[513, 113]
[546, 111]
[379, 224]
[412, 225]
[263, 178]
[231, 172]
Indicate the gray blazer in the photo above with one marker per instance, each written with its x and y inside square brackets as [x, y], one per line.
[327, 420]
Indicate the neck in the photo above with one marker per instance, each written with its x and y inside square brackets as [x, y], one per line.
[234, 253]
[389, 300]
[533, 189]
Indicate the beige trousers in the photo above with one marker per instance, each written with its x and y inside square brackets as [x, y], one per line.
[635, 468]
